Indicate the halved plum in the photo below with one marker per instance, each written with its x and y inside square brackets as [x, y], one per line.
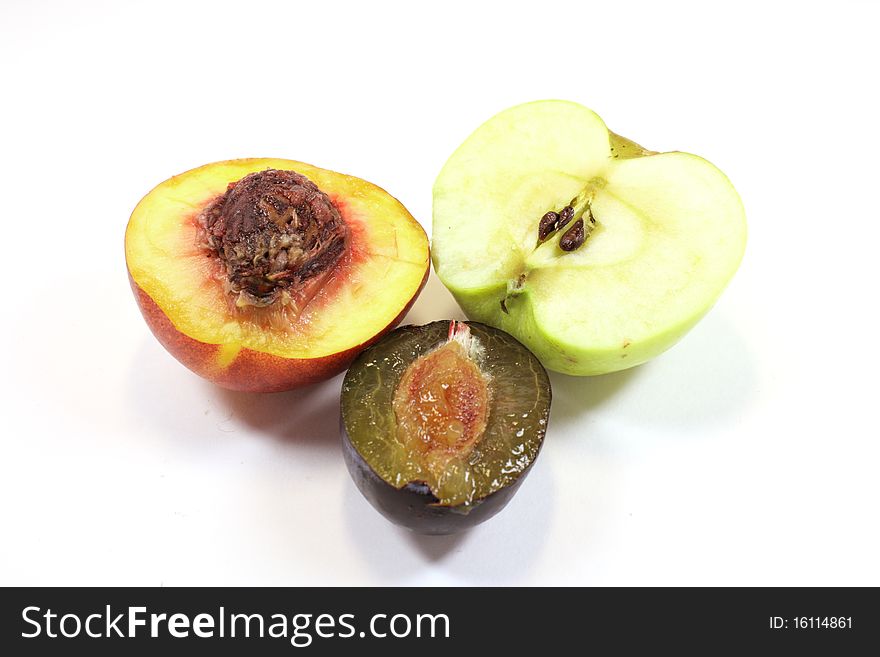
[442, 422]
[267, 274]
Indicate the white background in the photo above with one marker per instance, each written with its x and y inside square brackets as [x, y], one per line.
[748, 454]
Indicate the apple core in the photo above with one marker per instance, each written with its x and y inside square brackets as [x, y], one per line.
[579, 210]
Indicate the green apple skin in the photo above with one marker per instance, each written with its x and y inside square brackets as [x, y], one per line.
[671, 233]
[559, 355]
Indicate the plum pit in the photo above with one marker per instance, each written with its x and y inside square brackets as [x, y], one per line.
[441, 403]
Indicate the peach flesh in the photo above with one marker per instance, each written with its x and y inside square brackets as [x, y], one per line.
[365, 294]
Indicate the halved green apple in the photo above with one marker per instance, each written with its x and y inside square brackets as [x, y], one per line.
[661, 234]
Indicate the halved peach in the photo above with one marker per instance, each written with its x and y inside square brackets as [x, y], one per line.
[267, 274]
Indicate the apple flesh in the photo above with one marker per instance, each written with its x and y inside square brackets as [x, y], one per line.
[669, 234]
[183, 291]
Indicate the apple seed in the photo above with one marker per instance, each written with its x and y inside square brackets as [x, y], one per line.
[547, 225]
[573, 237]
[565, 215]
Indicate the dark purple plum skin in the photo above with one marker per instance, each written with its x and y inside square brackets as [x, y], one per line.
[414, 506]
